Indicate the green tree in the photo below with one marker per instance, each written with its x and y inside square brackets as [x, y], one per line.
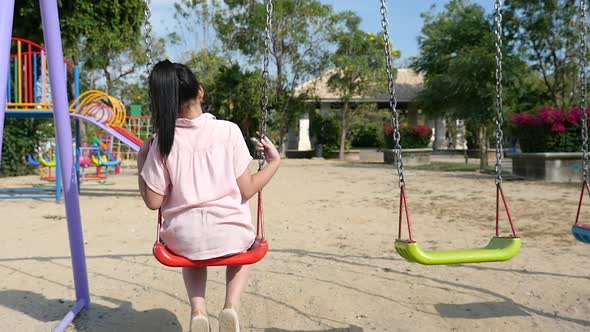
[209, 67]
[546, 33]
[103, 36]
[299, 46]
[457, 56]
[194, 19]
[21, 138]
[359, 67]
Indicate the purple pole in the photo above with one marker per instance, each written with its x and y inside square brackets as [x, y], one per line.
[63, 133]
[5, 31]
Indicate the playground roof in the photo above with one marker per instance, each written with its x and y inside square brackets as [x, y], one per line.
[408, 84]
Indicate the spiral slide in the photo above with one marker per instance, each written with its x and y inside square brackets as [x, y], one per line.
[106, 112]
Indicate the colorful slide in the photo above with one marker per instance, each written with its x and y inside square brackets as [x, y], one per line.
[106, 112]
[32, 161]
[120, 133]
[46, 163]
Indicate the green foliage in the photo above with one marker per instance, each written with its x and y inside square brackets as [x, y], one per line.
[366, 126]
[541, 140]
[358, 60]
[102, 35]
[359, 66]
[22, 137]
[457, 56]
[298, 49]
[369, 135]
[546, 34]
[326, 129]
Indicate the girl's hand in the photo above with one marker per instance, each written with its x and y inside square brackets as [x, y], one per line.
[265, 146]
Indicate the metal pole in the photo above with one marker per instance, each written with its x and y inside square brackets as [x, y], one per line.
[6, 15]
[63, 133]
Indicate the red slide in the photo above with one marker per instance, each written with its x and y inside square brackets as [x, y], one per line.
[123, 131]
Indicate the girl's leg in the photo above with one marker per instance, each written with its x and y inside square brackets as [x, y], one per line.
[195, 280]
[236, 278]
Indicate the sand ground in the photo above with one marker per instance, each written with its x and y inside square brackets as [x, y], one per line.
[332, 267]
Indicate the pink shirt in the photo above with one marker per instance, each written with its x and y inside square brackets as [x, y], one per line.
[204, 216]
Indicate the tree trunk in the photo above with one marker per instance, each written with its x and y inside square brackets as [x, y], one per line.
[483, 147]
[284, 142]
[343, 135]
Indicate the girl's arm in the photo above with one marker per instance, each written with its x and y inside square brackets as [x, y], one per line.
[250, 184]
[151, 199]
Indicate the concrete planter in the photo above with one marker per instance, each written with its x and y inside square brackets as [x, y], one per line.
[548, 166]
[474, 153]
[350, 155]
[300, 154]
[411, 157]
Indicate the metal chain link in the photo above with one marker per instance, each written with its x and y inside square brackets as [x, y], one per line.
[499, 92]
[265, 76]
[583, 86]
[148, 34]
[392, 99]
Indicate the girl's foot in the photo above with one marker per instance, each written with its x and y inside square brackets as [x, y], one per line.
[228, 321]
[199, 323]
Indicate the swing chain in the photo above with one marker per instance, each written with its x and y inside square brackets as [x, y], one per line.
[583, 86]
[392, 99]
[148, 34]
[265, 76]
[499, 92]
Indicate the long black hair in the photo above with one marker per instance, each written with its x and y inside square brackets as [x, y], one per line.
[171, 86]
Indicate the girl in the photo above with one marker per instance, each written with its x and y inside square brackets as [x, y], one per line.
[197, 172]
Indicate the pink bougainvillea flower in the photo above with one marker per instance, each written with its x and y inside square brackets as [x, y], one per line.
[525, 119]
[521, 119]
[558, 127]
[388, 130]
[575, 115]
[548, 115]
[423, 130]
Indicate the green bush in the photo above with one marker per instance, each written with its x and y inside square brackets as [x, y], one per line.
[327, 131]
[22, 137]
[367, 136]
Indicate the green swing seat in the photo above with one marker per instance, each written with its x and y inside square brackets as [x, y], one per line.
[498, 249]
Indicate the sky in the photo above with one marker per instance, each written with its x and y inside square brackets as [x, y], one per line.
[405, 22]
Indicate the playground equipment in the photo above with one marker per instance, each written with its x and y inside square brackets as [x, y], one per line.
[54, 53]
[499, 248]
[102, 153]
[140, 126]
[29, 95]
[580, 231]
[86, 161]
[106, 112]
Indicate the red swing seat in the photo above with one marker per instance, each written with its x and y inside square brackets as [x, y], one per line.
[254, 254]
